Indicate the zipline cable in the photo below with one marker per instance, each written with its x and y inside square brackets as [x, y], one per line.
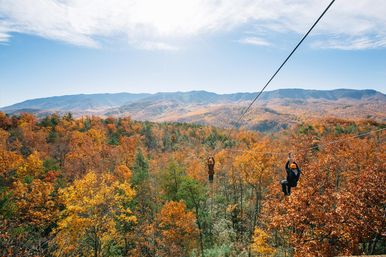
[281, 66]
[342, 140]
[310, 148]
[193, 156]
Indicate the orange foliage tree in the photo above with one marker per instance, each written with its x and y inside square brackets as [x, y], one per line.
[338, 208]
[178, 229]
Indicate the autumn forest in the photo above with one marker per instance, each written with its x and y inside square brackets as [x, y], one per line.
[91, 186]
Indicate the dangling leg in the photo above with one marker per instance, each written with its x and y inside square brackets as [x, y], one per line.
[288, 190]
[284, 185]
[211, 178]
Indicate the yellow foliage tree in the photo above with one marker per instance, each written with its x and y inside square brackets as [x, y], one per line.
[254, 165]
[8, 161]
[94, 205]
[32, 166]
[260, 244]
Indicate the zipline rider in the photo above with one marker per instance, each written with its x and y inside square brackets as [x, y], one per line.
[210, 163]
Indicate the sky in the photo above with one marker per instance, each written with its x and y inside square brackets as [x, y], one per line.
[61, 47]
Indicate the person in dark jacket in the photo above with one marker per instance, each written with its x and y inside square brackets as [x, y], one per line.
[293, 175]
[210, 163]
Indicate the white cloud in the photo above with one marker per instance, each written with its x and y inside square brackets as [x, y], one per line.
[4, 37]
[358, 43]
[254, 41]
[4, 32]
[83, 22]
[148, 45]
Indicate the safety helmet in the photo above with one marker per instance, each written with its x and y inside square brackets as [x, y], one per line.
[293, 166]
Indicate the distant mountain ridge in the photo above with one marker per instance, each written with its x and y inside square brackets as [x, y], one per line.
[76, 102]
[274, 110]
[88, 102]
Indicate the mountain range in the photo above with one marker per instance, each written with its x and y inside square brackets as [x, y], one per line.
[274, 110]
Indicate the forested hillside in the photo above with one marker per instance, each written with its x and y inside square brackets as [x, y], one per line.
[276, 110]
[117, 187]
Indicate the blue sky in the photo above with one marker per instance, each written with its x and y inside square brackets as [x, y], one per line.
[62, 47]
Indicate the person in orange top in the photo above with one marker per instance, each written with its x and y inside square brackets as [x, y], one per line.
[293, 175]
